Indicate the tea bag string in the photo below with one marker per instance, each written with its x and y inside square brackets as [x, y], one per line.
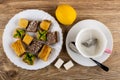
[90, 36]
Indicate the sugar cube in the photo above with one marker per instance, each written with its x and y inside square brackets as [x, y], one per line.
[68, 65]
[59, 63]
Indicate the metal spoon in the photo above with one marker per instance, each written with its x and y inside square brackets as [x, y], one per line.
[74, 49]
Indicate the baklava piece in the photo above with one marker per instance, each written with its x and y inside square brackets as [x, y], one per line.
[18, 48]
[51, 37]
[28, 58]
[19, 33]
[35, 46]
[23, 23]
[32, 27]
[45, 25]
[27, 39]
[45, 52]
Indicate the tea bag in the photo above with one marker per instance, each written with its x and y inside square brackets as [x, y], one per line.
[90, 42]
[90, 45]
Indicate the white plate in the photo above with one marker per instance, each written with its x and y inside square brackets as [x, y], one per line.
[86, 24]
[31, 14]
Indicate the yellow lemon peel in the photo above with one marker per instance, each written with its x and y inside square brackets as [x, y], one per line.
[65, 14]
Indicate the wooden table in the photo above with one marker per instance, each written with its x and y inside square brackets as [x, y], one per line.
[106, 11]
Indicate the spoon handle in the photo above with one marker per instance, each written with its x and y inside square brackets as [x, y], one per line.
[101, 65]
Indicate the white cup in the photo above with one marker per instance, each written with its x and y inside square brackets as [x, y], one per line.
[95, 50]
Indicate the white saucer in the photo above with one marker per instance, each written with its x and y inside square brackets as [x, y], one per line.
[86, 24]
[31, 14]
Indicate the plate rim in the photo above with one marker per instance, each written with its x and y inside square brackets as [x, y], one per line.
[18, 57]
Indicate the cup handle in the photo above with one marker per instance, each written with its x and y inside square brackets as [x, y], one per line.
[108, 51]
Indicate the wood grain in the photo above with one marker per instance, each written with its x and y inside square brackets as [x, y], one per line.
[106, 11]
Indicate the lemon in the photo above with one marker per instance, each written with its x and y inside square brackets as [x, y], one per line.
[65, 14]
